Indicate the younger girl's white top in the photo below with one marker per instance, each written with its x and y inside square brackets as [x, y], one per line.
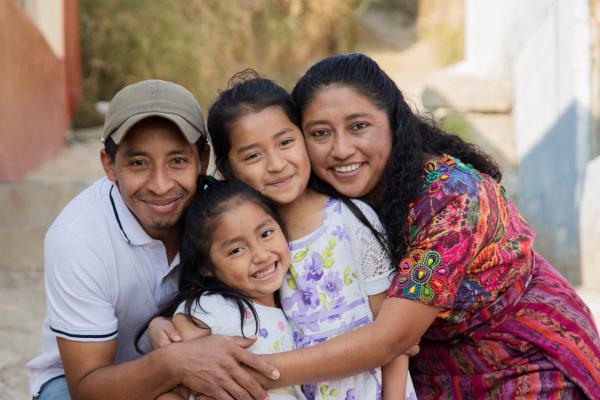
[274, 333]
[334, 270]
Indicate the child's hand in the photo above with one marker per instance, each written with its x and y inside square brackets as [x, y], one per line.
[161, 332]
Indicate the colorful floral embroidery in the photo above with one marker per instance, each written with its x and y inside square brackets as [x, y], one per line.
[467, 168]
[435, 174]
[422, 275]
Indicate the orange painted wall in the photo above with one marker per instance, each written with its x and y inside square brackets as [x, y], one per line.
[74, 83]
[34, 111]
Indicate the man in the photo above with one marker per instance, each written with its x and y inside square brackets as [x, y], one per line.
[111, 258]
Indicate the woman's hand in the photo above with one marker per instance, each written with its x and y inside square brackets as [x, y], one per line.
[161, 332]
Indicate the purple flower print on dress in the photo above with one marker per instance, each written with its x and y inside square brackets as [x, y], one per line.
[336, 205]
[298, 338]
[309, 391]
[314, 267]
[263, 332]
[340, 233]
[335, 310]
[332, 284]
[350, 395]
[305, 295]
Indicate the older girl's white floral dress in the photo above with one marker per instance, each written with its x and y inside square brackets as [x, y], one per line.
[334, 270]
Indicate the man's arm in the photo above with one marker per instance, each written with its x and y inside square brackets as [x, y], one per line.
[209, 365]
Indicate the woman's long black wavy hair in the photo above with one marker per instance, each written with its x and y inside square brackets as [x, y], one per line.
[197, 274]
[248, 93]
[413, 137]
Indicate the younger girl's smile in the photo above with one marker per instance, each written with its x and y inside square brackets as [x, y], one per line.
[250, 252]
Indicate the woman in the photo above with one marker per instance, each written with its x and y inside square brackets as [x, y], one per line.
[498, 320]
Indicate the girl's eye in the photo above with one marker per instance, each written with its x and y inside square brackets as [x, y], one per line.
[267, 233]
[251, 157]
[234, 251]
[358, 126]
[286, 142]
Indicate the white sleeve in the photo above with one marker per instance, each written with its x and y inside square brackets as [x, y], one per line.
[80, 303]
[207, 311]
[377, 268]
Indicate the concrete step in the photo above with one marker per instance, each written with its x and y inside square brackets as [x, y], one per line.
[33, 203]
[28, 210]
[467, 93]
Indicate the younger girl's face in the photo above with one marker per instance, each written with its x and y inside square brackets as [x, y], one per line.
[268, 153]
[250, 252]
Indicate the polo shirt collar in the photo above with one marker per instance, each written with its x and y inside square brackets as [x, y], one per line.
[130, 228]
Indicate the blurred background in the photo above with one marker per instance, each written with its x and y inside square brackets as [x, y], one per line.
[521, 79]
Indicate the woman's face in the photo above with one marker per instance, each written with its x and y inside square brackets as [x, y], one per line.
[348, 139]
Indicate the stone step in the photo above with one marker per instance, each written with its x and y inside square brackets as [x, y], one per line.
[451, 88]
[35, 203]
[22, 248]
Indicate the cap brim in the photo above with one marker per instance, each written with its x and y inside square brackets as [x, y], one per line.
[191, 134]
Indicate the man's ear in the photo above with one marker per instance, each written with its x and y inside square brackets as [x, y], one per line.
[204, 159]
[107, 165]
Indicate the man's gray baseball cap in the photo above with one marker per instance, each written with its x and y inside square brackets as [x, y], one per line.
[154, 98]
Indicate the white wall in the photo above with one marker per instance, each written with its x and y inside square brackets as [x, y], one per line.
[48, 15]
[542, 48]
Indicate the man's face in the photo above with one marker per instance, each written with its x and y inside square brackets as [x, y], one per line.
[156, 170]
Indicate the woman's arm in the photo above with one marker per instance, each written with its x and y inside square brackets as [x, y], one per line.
[398, 326]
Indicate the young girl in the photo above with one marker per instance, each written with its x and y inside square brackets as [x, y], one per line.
[230, 272]
[340, 268]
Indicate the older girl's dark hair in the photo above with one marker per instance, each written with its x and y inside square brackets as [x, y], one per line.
[197, 277]
[413, 137]
[247, 93]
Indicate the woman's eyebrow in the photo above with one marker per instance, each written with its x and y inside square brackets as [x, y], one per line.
[357, 115]
[314, 122]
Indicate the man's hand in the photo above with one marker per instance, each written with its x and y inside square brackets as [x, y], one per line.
[162, 332]
[211, 365]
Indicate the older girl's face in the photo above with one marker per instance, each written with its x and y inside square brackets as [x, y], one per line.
[348, 139]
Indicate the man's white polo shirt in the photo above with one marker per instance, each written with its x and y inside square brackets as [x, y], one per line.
[104, 278]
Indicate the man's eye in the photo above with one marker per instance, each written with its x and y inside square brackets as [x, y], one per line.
[136, 163]
[179, 160]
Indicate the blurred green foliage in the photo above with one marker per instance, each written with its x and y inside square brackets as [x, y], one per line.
[201, 43]
[441, 22]
[458, 125]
